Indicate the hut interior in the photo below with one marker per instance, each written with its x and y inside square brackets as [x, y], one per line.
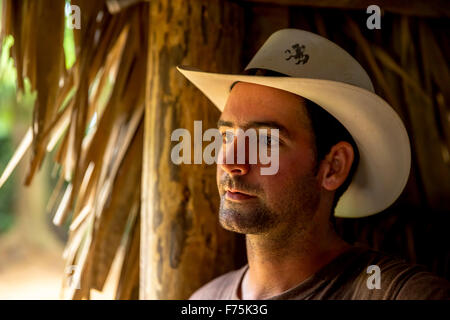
[108, 119]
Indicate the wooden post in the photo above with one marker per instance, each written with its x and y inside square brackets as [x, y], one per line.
[182, 243]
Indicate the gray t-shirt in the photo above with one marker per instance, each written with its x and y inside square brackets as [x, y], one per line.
[346, 277]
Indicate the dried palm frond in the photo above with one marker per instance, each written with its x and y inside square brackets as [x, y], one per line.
[99, 144]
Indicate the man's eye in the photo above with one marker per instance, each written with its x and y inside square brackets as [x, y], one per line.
[227, 137]
[268, 140]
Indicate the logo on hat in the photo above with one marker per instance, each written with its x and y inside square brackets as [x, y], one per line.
[297, 54]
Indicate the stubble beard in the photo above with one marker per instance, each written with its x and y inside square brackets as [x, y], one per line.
[291, 213]
[246, 219]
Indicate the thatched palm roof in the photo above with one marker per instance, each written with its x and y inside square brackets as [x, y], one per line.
[101, 158]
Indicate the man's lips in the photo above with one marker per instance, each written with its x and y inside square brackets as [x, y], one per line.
[236, 195]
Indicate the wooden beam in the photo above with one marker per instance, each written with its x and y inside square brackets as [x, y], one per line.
[261, 23]
[182, 244]
[429, 8]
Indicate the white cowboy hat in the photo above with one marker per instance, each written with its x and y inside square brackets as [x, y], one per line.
[323, 72]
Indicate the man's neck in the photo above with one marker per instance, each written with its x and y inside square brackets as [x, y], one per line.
[277, 265]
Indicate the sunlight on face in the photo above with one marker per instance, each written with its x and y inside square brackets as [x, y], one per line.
[255, 203]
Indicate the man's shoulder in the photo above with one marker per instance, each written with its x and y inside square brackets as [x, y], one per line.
[401, 279]
[219, 288]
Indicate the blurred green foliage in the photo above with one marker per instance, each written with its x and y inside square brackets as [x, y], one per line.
[16, 107]
[7, 88]
[69, 45]
[7, 103]
[6, 192]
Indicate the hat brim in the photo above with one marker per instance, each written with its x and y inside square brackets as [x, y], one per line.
[379, 133]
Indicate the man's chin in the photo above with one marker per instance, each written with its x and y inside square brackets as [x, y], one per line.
[236, 225]
[245, 219]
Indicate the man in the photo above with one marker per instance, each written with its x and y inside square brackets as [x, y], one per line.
[342, 151]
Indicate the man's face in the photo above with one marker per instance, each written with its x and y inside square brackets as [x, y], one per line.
[252, 203]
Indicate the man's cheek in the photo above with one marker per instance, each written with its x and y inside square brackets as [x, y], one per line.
[294, 164]
[219, 175]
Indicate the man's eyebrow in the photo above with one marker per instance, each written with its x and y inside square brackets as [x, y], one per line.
[222, 123]
[269, 124]
[257, 124]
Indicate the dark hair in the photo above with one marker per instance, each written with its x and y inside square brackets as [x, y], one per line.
[327, 131]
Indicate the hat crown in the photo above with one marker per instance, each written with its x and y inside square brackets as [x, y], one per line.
[302, 54]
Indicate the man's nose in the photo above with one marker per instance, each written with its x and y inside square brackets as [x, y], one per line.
[230, 155]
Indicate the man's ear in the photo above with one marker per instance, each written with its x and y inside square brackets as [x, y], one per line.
[336, 166]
